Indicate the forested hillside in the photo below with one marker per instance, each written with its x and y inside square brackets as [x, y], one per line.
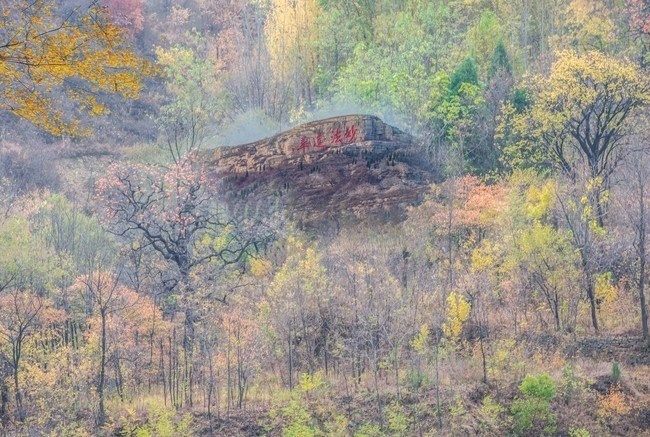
[474, 264]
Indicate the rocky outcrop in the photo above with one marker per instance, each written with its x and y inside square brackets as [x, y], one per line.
[354, 167]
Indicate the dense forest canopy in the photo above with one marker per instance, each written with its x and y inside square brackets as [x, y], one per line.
[141, 296]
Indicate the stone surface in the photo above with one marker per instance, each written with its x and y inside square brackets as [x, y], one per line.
[350, 168]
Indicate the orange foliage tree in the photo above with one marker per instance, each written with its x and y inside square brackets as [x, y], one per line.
[21, 315]
[50, 60]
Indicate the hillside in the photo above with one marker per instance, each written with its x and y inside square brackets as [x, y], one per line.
[195, 240]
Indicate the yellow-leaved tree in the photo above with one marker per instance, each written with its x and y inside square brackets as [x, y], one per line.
[582, 114]
[290, 31]
[458, 311]
[52, 60]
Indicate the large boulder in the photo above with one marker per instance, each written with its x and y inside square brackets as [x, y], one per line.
[350, 168]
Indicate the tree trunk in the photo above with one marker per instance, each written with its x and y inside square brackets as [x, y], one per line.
[437, 363]
[188, 346]
[600, 213]
[101, 419]
[290, 363]
[4, 393]
[641, 252]
[376, 384]
[589, 286]
[592, 303]
[170, 373]
[162, 372]
[20, 411]
[644, 309]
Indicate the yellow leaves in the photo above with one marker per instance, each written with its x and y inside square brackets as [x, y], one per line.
[420, 342]
[260, 267]
[577, 80]
[540, 199]
[290, 31]
[309, 383]
[302, 272]
[589, 24]
[613, 403]
[484, 257]
[458, 311]
[580, 111]
[46, 52]
[538, 238]
[604, 289]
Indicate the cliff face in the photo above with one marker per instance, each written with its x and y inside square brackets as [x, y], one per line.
[353, 167]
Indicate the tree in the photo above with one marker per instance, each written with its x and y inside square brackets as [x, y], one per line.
[581, 113]
[195, 102]
[588, 26]
[634, 204]
[396, 67]
[175, 215]
[49, 62]
[104, 295]
[485, 38]
[499, 61]
[640, 246]
[538, 254]
[295, 296]
[19, 318]
[639, 11]
[290, 32]
[175, 211]
[128, 14]
[579, 206]
[465, 73]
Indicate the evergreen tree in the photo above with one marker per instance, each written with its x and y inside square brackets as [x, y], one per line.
[499, 61]
[465, 73]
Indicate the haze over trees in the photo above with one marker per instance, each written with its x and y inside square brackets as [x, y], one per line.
[138, 296]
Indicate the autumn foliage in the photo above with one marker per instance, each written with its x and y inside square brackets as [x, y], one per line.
[42, 51]
[141, 294]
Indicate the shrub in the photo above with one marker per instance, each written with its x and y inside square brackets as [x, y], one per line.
[579, 432]
[161, 423]
[398, 421]
[532, 410]
[571, 384]
[616, 372]
[337, 426]
[491, 417]
[613, 403]
[299, 421]
[416, 379]
[368, 430]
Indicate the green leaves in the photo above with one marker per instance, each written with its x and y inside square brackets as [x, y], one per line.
[539, 387]
[196, 101]
[532, 411]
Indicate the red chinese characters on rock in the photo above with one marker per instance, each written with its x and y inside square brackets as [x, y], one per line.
[304, 144]
[337, 136]
[351, 134]
[319, 141]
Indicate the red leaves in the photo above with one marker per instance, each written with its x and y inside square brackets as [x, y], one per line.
[128, 14]
[466, 202]
[639, 11]
[149, 196]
